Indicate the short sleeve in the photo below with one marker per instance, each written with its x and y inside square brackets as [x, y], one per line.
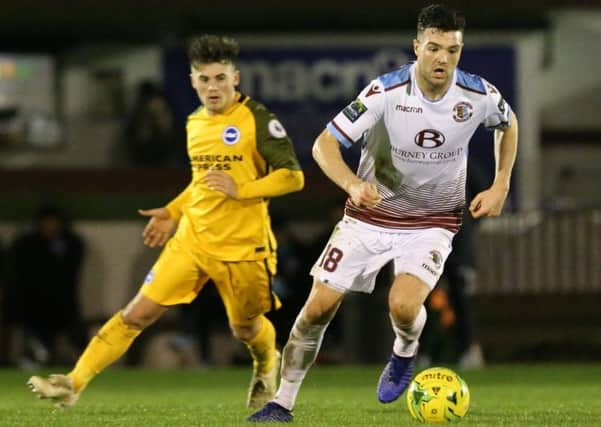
[497, 109]
[360, 115]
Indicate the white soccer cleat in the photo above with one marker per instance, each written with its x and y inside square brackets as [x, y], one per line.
[263, 386]
[59, 388]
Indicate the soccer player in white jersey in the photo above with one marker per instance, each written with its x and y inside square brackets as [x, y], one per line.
[406, 199]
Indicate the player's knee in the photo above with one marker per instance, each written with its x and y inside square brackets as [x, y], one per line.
[314, 314]
[243, 332]
[138, 319]
[403, 312]
[141, 312]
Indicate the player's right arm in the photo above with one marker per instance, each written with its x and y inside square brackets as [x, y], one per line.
[163, 220]
[345, 129]
[326, 152]
[176, 206]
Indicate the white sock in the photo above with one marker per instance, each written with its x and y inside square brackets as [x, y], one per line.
[298, 356]
[287, 392]
[407, 336]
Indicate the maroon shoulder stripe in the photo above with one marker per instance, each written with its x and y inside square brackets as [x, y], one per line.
[341, 131]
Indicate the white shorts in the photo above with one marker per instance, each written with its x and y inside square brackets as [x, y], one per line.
[357, 251]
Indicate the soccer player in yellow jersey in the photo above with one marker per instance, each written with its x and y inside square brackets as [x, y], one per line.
[240, 157]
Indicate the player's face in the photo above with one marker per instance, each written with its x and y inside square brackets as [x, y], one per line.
[215, 83]
[437, 55]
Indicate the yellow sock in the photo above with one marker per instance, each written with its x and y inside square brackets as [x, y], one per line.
[262, 347]
[109, 344]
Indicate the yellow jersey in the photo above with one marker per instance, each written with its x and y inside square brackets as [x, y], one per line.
[249, 143]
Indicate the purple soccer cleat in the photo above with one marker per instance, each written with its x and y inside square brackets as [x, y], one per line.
[271, 413]
[395, 378]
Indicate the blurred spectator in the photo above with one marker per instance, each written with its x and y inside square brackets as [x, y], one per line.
[42, 297]
[151, 133]
[452, 308]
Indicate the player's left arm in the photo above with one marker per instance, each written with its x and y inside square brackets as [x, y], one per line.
[284, 172]
[276, 183]
[490, 202]
[162, 221]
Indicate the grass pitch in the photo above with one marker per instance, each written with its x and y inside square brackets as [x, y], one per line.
[512, 395]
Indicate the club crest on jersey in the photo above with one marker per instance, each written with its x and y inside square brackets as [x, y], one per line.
[230, 135]
[462, 111]
[276, 129]
[436, 259]
[354, 110]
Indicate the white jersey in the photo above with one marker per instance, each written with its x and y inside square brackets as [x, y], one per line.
[415, 149]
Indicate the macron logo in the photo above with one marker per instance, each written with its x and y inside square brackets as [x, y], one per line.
[408, 109]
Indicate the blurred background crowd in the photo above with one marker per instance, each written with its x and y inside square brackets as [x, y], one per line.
[93, 102]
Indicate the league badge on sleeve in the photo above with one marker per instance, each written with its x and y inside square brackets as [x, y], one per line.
[502, 106]
[276, 129]
[354, 110]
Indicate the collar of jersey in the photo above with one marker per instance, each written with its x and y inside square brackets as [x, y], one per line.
[421, 95]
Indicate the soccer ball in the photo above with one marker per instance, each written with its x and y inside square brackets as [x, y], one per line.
[438, 395]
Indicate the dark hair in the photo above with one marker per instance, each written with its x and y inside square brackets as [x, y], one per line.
[441, 17]
[207, 49]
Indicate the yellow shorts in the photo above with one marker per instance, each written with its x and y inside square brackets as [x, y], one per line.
[244, 286]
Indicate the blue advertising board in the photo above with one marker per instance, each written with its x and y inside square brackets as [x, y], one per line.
[306, 86]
